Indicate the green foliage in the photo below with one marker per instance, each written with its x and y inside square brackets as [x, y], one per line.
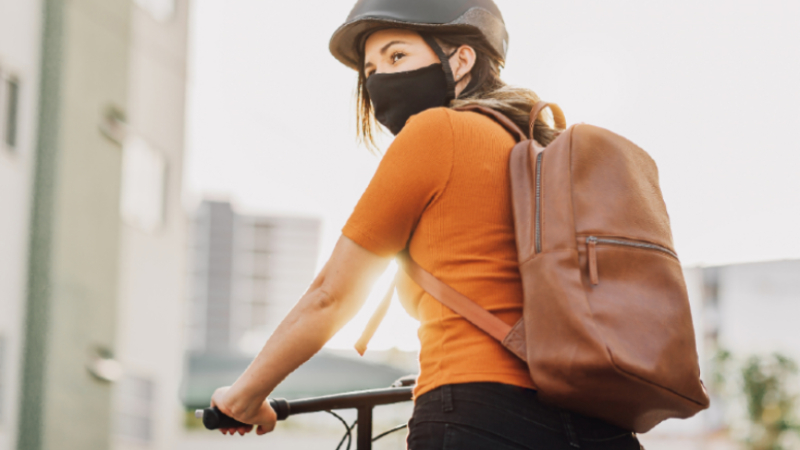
[767, 387]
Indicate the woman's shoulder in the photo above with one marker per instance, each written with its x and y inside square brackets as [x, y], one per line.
[430, 120]
[474, 121]
[442, 127]
[444, 119]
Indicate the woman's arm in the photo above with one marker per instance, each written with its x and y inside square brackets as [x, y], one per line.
[334, 297]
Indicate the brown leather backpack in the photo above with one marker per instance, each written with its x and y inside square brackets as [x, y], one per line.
[606, 328]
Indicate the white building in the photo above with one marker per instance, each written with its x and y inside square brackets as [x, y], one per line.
[20, 44]
[151, 307]
[247, 272]
[91, 133]
[754, 307]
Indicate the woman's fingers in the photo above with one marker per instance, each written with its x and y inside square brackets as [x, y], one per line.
[241, 430]
[268, 418]
[265, 428]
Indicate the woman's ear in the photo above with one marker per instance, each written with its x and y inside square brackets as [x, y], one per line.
[462, 63]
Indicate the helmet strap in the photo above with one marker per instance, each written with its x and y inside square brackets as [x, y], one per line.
[448, 71]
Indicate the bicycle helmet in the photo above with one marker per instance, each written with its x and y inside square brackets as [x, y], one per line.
[417, 15]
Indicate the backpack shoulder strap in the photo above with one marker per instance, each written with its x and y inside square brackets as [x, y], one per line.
[375, 320]
[460, 304]
[454, 300]
[498, 117]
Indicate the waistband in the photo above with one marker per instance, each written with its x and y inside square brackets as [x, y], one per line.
[470, 404]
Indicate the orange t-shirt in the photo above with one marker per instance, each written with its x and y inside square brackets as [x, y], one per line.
[442, 189]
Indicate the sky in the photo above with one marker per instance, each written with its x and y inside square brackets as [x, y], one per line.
[711, 90]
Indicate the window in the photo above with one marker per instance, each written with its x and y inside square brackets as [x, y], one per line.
[143, 185]
[11, 111]
[134, 408]
[161, 10]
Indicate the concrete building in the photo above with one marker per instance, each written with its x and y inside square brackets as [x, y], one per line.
[247, 272]
[20, 46]
[753, 307]
[91, 228]
[73, 253]
[147, 412]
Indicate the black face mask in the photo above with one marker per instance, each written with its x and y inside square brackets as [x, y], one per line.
[398, 96]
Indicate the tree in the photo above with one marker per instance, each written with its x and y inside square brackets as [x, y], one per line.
[767, 388]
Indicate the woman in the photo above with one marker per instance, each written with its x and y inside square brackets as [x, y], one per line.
[441, 191]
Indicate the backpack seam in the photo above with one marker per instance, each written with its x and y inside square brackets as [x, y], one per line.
[643, 380]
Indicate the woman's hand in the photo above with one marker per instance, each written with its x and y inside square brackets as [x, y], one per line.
[245, 410]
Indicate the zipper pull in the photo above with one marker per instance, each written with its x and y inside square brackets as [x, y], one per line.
[591, 243]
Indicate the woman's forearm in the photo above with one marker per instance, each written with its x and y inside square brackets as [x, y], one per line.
[333, 299]
[309, 325]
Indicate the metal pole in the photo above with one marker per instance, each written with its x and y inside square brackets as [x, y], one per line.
[364, 436]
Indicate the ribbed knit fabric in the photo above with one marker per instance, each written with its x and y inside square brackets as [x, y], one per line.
[442, 188]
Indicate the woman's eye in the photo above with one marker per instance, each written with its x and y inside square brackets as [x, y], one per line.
[396, 57]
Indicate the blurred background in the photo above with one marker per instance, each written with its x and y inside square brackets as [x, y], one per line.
[174, 172]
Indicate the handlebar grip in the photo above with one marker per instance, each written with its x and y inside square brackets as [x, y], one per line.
[214, 419]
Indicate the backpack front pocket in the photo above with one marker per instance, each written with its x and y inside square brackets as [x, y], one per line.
[638, 312]
[593, 241]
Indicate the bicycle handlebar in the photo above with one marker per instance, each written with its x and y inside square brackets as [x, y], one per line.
[213, 418]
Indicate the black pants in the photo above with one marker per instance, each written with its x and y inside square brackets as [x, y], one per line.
[493, 416]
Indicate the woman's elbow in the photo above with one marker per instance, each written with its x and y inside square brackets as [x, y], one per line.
[321, 295]
[324, 300]
[336, 305]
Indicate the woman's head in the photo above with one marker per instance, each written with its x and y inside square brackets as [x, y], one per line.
[403, 73]
[474, 65]
[475, 68]
[467, 39]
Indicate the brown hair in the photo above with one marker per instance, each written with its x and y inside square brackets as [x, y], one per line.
[485, 88]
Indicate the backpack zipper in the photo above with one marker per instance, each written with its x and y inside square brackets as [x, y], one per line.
[538, 212]
[591, 244]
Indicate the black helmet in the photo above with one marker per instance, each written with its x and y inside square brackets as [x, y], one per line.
[419, 15]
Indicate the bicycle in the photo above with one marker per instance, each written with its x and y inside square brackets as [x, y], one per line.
[362, 401]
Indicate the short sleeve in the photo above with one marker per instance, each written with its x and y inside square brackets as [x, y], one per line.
[412, 174]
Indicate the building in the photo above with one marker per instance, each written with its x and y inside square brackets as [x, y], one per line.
[150, 330]
[92, 234]
[20, 47]
[247, 272]
[753, 307]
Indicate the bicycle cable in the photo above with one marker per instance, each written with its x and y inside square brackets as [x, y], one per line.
[397, 428]
[348, 434]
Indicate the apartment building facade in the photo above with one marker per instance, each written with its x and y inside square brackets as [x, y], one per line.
[247, 271]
